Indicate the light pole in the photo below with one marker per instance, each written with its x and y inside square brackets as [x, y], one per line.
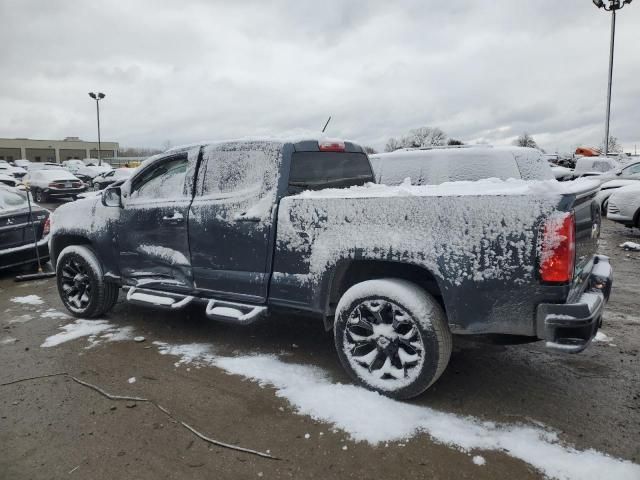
[614, 5]
[97, 97]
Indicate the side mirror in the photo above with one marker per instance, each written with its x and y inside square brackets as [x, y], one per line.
[111, 197]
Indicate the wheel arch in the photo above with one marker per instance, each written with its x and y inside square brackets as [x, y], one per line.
[349, 272]
[60, 242]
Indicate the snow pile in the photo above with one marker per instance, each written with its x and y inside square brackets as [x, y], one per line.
[53, 313]
[602, 337]
[95, 330]
[370, 417]
[631, 246]
[196, 353]
[479, 460]
[28, 300]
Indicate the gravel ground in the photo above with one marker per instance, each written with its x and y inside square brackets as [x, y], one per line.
[56, 428]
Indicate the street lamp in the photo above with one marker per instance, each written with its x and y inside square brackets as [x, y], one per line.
[614, 5]
[97, 97]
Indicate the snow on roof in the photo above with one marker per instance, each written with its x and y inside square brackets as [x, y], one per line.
[57, 174]
[434, 166]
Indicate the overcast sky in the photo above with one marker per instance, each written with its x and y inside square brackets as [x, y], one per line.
[183, 71]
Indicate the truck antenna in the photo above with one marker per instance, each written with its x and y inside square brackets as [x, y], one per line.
[325, 125]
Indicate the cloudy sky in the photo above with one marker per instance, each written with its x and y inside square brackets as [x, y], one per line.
[183, 71]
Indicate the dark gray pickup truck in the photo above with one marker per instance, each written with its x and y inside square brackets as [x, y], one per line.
[257, 226]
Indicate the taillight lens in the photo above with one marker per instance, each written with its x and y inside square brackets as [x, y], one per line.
[331, 145]
[47, 227]
[558, 250]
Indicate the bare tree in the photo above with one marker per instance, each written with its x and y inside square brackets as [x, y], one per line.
[418, 137]
[370, 150]
[424, 137]
[392, 145]
[525, 140]
[614, 145]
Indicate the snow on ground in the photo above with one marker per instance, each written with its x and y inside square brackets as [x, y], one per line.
[479, 460]
[21, 319]
[8, 341]
[131, 380]
[631, 246]
[601, 337]
[95, 330]
[373, 418]
[53, 313]
[28, 300]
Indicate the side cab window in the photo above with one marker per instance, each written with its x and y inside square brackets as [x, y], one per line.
[166, 179]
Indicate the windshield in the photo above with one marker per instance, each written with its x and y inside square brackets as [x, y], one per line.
[11, 200]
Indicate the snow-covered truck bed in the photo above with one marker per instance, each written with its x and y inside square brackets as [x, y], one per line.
[257, 226]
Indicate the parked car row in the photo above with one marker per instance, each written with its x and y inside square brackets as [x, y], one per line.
[53, 180]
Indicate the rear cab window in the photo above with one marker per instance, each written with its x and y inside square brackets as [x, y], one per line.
[317, 170]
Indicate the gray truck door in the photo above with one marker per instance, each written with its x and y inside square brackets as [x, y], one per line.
[152, 232]
[231, 219]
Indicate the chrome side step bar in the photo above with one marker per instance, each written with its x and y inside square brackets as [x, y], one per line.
[231, 312]
[171, 301]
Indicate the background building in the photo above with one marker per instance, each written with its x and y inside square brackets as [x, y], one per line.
[54, 150]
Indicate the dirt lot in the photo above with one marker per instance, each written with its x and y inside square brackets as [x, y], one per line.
[56, 428]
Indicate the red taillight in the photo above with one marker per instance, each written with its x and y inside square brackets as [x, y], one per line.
[331, 145]
[47, 227]
[558, 250]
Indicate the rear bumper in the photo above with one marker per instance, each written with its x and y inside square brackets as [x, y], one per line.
[570, 327]
[13, 257]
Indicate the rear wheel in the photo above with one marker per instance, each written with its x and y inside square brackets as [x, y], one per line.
[392, 337]
[81, 283]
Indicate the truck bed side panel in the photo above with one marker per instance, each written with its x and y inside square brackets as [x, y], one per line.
[482, 250]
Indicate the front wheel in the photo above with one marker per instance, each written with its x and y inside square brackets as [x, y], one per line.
[392, 337]
[81, 283]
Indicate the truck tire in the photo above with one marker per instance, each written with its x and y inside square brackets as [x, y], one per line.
[81, 283]
[392, 337]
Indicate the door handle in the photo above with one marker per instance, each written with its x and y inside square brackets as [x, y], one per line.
[175, 219]
[243, 217]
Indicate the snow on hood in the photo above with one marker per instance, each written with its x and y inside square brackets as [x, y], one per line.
[83, 216]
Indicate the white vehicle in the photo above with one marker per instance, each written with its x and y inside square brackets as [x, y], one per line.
[23, 162]
[32, 167]
[8, 180]
[593, 166]
[7, 169]
[104, 180]
[73, 165]
[45, 183]
[608, 188]
[624, 206]
[434, 166]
